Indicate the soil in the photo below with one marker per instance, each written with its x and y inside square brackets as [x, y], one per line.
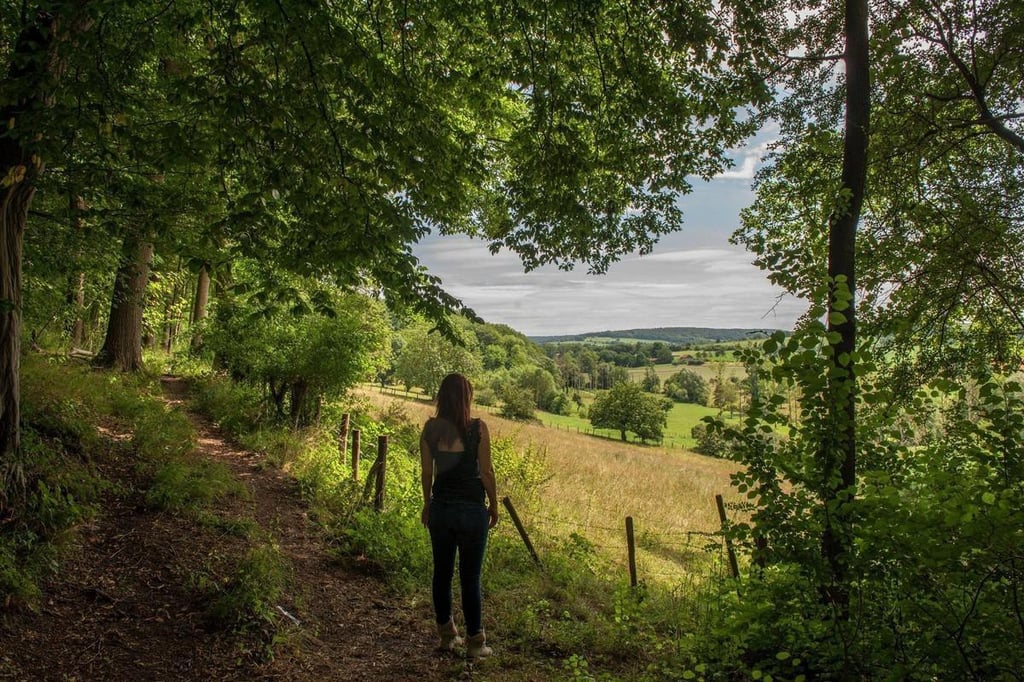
[124, 604]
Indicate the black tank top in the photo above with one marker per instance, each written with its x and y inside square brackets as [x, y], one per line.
[457, 474]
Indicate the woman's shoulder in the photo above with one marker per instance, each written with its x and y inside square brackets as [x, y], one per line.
[430, 425]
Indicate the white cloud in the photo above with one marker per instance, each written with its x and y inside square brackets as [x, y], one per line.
[750, 161]
[686, 256]
[715, 287]
[746, 170]
[693, 278]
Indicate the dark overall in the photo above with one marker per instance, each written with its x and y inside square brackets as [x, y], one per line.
[458, 525]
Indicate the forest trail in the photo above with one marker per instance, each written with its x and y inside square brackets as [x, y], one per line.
[121, 607]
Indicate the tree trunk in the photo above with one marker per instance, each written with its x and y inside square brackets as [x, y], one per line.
[76, 205]
[122, 347]
[30, 77]
[222, 290]
[277, 393]
[202, 299]
[78, 328]
[300, 390]
[170, 326]
[13, 212]
[840, 456]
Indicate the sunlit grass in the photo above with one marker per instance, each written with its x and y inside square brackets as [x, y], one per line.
[708, 371]
[678, 427]
[595, 483]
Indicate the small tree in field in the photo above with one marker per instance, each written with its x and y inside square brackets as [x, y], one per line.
[627, 407]
[651, 382]
[686, 386]
[516, 402]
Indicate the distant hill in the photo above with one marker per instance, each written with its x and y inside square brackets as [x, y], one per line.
[680, 335]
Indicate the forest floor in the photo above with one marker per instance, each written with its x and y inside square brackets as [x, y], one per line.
[121, 606]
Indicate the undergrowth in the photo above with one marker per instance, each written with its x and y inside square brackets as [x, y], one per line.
[572, 616]
[77, 424]
[245, 596]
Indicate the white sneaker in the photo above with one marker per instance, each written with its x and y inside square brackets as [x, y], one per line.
[476, 646]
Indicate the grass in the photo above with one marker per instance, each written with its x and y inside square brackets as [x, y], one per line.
[594, 483]
[578, 608]
[247, 596]
[572, 493]
[708, 371]
[677, 434]
[78, 425]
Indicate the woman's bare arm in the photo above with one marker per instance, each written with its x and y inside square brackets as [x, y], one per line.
[426, 478]
[487, 473]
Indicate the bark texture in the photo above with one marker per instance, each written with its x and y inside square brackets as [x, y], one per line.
[28, 81]
[13, 211]
[200, 303]
[122, 347]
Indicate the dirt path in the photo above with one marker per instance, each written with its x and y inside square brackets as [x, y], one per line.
[121, 607]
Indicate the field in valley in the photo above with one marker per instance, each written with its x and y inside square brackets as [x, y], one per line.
[595, 483]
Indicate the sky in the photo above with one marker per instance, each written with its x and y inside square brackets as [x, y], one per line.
[692, 278]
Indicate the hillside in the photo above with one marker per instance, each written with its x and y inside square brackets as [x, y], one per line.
[680, 335]
[138, 591]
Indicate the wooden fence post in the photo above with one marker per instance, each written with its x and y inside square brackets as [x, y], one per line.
[343, 436]
[631, 550]
[381, 466]
[733, 567]
[355, 454]
[519, 526]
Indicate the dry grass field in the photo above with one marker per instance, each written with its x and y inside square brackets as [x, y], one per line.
[708, 371]
[595, 483]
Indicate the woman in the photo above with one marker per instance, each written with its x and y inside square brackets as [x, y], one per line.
[455, 458]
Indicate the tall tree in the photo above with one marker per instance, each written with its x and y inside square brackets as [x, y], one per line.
[342, 135]
[839, 454]
[122, 347]
[199, 303]
[939, 266]
[34, 67]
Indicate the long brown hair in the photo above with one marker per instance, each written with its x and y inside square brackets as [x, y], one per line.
[453, 400]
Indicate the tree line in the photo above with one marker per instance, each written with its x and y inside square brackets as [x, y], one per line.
[322, 141]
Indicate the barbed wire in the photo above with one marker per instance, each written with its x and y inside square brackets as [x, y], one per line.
[533, 516]
[680, 548]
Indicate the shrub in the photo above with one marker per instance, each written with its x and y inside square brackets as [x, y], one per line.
[934, 564]
[301, 354]
[710, 442]
[516, 402]
[249, 595]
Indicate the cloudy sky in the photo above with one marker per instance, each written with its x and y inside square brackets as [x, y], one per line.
[693, 278]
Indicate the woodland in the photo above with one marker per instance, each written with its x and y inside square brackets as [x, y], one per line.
[231, 191]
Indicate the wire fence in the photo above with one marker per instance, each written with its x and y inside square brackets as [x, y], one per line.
[675, 556]
[671, 557]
